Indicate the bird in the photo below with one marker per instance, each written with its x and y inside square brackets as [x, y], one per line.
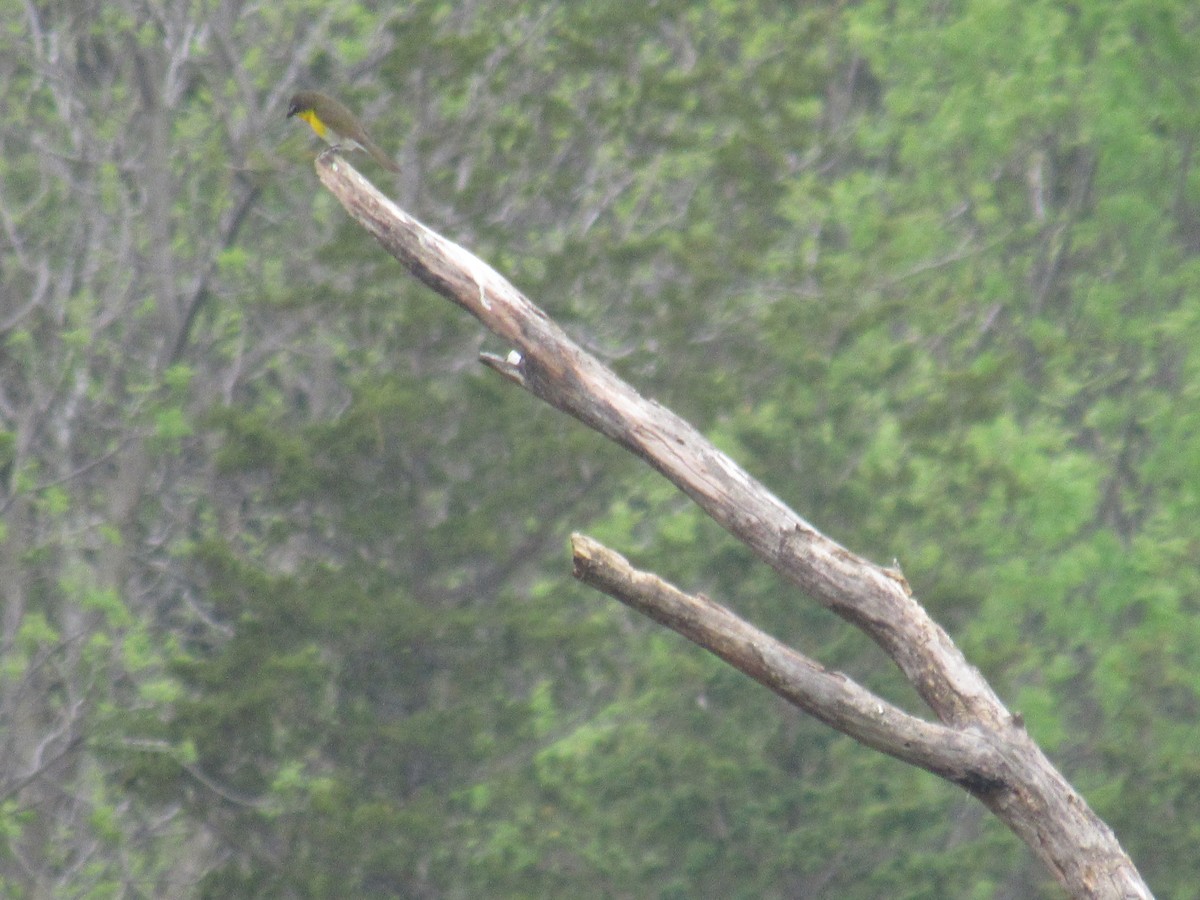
[337, 125]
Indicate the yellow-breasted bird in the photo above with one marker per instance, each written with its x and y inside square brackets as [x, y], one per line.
[336, 125]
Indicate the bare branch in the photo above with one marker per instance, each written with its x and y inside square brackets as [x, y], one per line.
[558, 371]
[827, 695]
[1027, 793]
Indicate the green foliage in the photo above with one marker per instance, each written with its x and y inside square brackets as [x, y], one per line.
[285, 571]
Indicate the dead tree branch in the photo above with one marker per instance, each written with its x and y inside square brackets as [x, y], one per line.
[830, 696]
[993, 757]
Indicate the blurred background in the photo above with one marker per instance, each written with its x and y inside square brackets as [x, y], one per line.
[286, 605]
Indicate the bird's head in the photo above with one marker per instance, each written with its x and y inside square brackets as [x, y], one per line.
[301, 103]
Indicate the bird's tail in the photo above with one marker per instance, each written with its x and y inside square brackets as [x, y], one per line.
[379, 156]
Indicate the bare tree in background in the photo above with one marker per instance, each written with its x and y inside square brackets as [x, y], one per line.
[111, 235]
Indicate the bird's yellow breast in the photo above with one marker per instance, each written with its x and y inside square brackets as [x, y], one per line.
[316, 124]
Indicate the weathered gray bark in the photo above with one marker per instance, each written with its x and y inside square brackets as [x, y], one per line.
[976, 742]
